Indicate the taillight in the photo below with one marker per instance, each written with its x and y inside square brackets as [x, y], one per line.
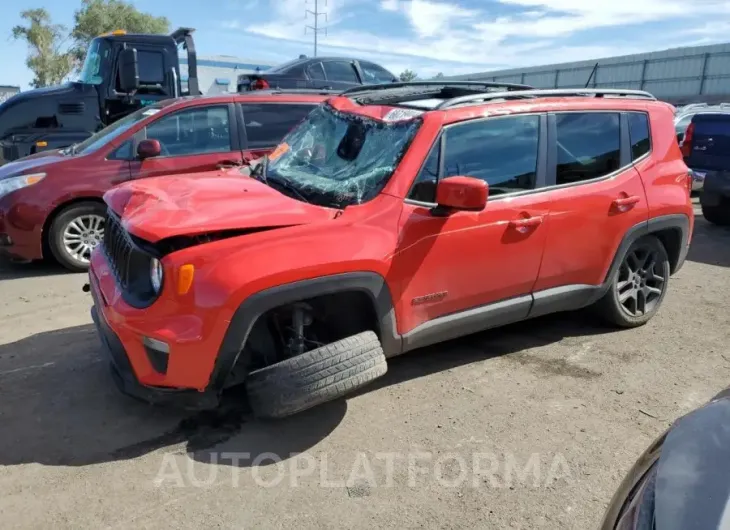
[686, 146]
[259, 84]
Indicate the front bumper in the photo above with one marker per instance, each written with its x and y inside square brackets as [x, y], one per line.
[126, 380]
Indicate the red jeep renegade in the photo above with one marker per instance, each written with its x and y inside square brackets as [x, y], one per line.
[393, 217]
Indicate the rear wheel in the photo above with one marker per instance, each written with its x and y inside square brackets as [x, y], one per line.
[316, 376]
[638, 287]
[717, 215]
[74, 233]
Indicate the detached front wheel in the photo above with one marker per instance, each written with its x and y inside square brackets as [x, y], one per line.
[316, 376]
[75, 232]
[638, 287]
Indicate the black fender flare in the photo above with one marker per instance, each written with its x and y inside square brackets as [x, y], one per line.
[678, 222]
[370, 283]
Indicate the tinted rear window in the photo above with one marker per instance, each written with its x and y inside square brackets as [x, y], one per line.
[712, 124]
[267, 123]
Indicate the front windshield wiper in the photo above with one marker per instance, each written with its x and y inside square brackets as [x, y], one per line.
[258, 172]
[288, 186]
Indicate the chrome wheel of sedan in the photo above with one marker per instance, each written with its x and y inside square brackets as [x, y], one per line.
[81, 236]
[74, 233]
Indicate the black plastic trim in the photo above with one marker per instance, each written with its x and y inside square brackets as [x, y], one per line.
[234, 132]
[256, 305]
[625, 158]
[564, 298]
[678, 222]
[467, 322]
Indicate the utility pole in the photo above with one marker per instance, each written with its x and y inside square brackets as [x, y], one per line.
[316, 14]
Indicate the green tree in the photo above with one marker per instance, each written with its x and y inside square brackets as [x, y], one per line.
[45, 40]
[407, 75]
[439, 75]
[101, 16]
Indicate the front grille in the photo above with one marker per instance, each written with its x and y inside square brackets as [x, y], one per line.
[130, 264]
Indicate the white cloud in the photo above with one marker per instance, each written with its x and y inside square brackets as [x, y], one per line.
[444, 36]
[390, 5]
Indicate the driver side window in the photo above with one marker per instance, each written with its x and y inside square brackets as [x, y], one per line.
[194, 131]
[501, 151]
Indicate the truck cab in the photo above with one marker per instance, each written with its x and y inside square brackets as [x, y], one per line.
[121, 73]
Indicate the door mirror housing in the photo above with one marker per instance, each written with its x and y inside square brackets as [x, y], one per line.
[128, 71]
[148, 149]
[461, 194]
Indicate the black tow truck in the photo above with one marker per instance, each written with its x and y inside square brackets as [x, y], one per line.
[121, 73]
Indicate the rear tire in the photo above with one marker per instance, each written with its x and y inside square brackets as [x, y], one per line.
[717, 215]
[637, 288]
[74, 232]
[316, 376]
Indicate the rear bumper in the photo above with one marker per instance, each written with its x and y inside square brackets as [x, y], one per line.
[124, 376]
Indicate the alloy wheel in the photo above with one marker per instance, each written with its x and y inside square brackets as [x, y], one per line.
[641, 281]
[82, 235]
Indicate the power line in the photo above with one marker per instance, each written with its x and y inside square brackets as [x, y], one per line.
[316, 14]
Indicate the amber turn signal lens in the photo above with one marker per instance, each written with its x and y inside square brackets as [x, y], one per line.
[185, 278]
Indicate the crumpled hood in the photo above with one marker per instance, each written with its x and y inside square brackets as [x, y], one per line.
[158, 208]
[30, 164]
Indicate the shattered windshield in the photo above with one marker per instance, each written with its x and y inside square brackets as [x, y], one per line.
[337, 159]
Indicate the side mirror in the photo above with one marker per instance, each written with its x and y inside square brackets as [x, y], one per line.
[148, 149]
[128, 70]
[462, 193]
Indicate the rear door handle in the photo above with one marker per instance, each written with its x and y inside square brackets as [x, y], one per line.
[523, 225]
[624, 203]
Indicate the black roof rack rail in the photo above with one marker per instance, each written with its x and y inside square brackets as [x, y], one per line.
[445, 83]
[540, 93]
[304, 91]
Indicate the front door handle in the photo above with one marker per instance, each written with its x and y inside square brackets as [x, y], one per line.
[625, 203]
[524, 225]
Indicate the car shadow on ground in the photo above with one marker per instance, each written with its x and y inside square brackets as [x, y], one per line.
[710, 244]
[12, 270]
[59, 407]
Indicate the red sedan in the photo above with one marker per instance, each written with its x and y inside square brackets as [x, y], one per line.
[51, 203]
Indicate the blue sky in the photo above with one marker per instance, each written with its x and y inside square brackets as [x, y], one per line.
[427, 36]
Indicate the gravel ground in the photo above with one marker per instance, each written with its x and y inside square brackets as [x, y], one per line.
[530, 426]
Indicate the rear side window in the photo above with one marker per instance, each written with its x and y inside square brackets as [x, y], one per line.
[589, 145]
[375, 74]
[639, 134]
[316, 71]
[267, 123]
[340, 71]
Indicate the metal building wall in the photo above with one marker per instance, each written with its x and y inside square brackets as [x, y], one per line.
[680, 75]
[217, 74]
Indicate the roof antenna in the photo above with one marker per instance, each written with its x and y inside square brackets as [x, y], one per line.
[591, 76]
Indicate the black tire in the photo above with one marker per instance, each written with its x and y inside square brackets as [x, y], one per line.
[610, 306]
[717, 215]
[316, 376]
[58, 226]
